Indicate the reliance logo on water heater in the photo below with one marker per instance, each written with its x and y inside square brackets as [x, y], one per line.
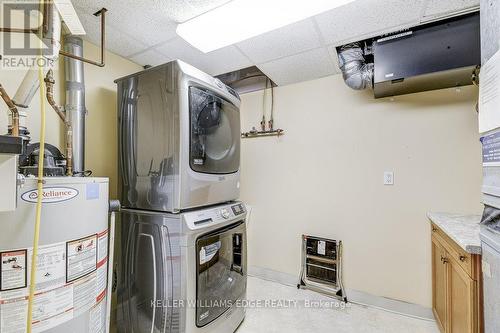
[51, 194]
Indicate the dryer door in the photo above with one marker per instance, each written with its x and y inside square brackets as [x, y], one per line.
[215, 133]
[221, 271]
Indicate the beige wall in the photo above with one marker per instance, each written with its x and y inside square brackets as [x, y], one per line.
[325, 177]
[101, 154]
[101, 143]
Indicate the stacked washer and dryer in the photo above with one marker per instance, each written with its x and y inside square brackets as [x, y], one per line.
[181, 241]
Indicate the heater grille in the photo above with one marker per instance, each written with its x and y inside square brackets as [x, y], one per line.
[322, 266]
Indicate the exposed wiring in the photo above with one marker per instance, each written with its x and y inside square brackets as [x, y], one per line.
[38, 216]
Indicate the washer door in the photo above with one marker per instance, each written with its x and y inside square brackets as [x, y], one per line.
[221, 271]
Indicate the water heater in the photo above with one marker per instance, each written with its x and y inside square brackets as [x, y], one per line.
[72, 263]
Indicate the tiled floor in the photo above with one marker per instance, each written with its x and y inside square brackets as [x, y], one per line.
[304, 317]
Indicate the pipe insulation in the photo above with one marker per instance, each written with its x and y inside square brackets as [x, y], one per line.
[356, 72]
[75, 100]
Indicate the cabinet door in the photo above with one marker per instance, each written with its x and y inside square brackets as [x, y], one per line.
[461, 300]
[439, 283]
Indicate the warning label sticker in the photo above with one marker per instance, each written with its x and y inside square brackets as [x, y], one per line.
[56, 300]
[50, 270]
[102, 252]
[208, 252]
[52, 308]
[13, 270]
[98, 317]
[82, 257]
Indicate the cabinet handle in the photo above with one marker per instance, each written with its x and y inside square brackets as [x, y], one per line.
[462, 258]
[444, 260]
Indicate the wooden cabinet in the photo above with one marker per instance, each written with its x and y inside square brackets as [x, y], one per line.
[456, 286]
[439, 276]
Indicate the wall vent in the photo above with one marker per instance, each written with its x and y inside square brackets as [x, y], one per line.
[322, 266]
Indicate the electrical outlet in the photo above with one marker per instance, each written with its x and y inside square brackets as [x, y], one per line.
[388, 178]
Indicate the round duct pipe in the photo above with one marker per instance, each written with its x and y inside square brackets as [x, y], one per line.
[357, 73]
[75, 100]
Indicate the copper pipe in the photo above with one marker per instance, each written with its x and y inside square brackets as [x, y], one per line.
[32, 31]
[257, 134]
[69, 149]
[102, 13]
[46, 12]
[49, 82]
[13, 109]
[18, 30]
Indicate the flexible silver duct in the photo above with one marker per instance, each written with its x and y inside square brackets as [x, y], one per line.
[75, 100]
[357, 73]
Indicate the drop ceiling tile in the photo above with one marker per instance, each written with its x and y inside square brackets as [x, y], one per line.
[142, 9]
[150, 30]
[116, 41]
[202, 6]
[183, 10]
[332, 51]
[289, 40]
[138, 19]
[367, 18]
[444, 7]
[305, 66]
[216, 62]
[150, 57]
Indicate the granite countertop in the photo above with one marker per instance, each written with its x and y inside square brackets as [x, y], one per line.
[463, 229]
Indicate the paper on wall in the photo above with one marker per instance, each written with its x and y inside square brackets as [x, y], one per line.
[489, 95]
[322, 248]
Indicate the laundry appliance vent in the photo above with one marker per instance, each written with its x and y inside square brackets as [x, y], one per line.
[322, 266]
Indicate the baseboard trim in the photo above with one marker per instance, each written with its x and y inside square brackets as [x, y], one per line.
[353, 296]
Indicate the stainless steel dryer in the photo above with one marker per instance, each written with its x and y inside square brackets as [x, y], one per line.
[179, 139]
[182, 273]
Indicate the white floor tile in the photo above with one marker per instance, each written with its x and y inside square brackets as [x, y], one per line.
[303, 319]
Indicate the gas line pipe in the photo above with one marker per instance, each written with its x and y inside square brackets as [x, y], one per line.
[38, 213]
[49, 82]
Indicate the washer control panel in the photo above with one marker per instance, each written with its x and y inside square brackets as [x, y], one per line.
[206, 217]
[238, 209]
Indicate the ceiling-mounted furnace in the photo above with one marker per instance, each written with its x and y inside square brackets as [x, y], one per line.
[437, 55]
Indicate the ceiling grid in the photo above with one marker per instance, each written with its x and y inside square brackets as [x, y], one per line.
[144, 32]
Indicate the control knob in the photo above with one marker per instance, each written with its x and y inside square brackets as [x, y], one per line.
[225, 213]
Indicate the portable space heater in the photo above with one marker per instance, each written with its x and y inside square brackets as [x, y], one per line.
[322, 266]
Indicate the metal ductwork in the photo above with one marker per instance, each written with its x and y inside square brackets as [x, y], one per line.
[75, 100]
[357, 73]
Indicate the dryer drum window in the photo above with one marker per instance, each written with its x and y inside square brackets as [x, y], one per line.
[215, 133]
